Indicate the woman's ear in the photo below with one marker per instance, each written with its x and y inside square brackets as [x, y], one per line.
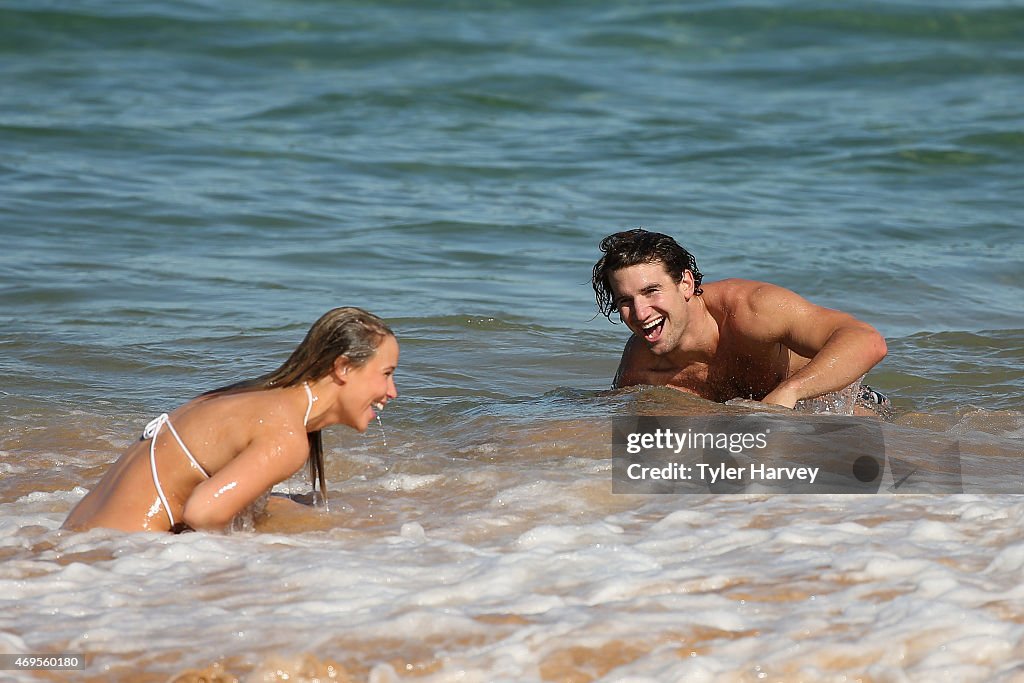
[341, 367]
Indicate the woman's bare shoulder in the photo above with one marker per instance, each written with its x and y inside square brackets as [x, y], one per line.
[231, 424]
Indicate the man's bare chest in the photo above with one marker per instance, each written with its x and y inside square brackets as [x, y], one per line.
[727, 376]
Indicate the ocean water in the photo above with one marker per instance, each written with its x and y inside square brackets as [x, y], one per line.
[186, 186]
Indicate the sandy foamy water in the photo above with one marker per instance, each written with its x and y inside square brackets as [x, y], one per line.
[505, 557]
[186, 186]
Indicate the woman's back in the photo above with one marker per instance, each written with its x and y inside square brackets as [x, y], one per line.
[214, 430]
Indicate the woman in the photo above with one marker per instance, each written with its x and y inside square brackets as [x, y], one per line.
[208, 460]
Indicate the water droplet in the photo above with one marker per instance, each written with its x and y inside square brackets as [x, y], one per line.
[383, 436]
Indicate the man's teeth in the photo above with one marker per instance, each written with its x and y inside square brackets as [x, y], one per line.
[654, 323]
[377, 405]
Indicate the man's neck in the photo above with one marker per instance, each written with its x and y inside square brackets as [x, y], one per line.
[699, 341]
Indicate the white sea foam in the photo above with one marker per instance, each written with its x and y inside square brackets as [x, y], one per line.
[472, 569]
[409, 482]
[637, 587]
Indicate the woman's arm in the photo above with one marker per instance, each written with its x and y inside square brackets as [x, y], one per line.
[214, 502]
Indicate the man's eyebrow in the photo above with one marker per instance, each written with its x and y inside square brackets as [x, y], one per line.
[653, 287]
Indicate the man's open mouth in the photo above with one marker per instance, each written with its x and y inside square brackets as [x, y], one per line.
[652, 330]
[378, 406]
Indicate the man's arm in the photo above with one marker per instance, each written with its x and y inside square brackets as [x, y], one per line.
[840, 347]
[625, 375]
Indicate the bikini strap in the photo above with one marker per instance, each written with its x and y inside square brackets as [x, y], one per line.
[309, 408]
[154, 426]
[184, 448]
[150, 432]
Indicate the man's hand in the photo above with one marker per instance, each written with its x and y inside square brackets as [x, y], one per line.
[782, 396]
[761, 406]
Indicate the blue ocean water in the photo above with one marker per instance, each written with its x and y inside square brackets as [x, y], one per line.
[186, 186]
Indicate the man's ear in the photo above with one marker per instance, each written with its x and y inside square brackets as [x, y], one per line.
[686, 286]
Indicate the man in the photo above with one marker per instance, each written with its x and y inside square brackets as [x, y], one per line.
[729, 339]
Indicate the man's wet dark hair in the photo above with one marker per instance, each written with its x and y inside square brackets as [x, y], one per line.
[632, 248]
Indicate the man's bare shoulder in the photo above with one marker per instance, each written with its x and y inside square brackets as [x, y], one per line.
[633, 366]
[735, 290]
[741, 298]
[752, 309]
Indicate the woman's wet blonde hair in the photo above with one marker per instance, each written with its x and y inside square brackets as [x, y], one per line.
[347, 331]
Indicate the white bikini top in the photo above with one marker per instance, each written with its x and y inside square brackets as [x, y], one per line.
[153, 429]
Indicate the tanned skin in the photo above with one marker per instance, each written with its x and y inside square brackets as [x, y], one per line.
[737, 339]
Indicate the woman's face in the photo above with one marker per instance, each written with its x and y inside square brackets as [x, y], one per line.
[369, 387]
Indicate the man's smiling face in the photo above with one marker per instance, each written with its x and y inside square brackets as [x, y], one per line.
[652, 304]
